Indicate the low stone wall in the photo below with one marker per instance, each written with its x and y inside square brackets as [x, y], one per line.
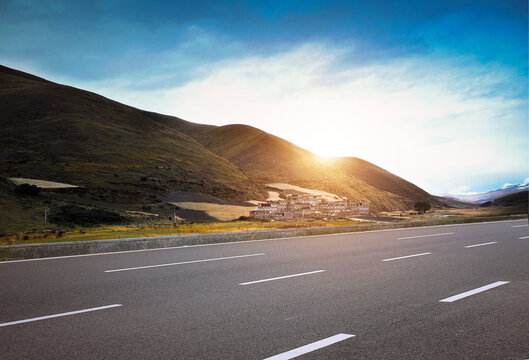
[13, 252]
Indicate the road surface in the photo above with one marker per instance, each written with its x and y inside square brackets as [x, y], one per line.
[443, 292]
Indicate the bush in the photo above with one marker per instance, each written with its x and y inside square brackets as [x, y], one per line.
[422, 206]
[81, 216]
[26, 189]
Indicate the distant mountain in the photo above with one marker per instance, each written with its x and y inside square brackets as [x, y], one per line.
[491, 195]
[517, 198]
[120, 154]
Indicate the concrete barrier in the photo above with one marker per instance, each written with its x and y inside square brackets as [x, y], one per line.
[32, 251]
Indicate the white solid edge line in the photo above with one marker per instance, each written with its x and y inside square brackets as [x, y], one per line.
[59, 315]
[252, 241]
[281, 277]
[310, 347]
[182, 263]
[524, 237]
[421, 236]
[474, 291]
[407, 256]
[482, 244]
[516, 226]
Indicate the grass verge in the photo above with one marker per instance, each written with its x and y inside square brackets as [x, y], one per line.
[159, 229]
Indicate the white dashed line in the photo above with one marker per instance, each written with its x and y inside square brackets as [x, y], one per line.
[483, 244]
[517, 226]
[281, 277]
[59, 315]
[524, 237]
[421, 236]
[181, 263]
[407, 256]
[475, 291]
[310, 347]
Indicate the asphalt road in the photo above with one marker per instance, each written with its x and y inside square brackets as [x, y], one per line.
[445, 292]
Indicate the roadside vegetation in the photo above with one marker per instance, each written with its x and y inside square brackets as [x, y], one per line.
[33, 215]
[156, 228]
[81, 229]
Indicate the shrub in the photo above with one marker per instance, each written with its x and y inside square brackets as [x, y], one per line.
[26, 189]
[80, 216]
[422, 206]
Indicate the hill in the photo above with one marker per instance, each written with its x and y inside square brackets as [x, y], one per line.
[268, 158]
[518, 198]
[60, 133]
[123, 157]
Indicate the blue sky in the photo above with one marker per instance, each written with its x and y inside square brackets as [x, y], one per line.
[435, 92]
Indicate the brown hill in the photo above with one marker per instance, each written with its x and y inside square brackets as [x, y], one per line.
[60, 133]
[268, 158]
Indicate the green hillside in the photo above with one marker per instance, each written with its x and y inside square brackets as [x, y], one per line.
[518, 198]
[59, 133]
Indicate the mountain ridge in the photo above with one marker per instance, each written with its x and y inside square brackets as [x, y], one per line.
[490, 195]
[74, 136]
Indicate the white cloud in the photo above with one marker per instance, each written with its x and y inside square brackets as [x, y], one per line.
[433, 121]
[461, 190]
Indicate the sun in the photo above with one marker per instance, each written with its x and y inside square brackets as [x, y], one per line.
[325, 159]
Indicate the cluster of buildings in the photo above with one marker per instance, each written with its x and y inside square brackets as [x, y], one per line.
[307, 206]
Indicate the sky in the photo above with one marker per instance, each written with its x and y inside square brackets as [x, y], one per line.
[433, 91]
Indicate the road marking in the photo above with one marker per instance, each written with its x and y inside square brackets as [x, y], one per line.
[407, 256]
[281, 277]
[483, 244]
[181, 247]
[182, 263]
[310, 347]
[421, 236]
[475, 291]
[524, 237]
[520, 225]
[59, 315]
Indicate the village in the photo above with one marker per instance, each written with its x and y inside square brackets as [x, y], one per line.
[306, 206]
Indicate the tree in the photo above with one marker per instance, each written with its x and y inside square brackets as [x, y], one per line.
[422, 206]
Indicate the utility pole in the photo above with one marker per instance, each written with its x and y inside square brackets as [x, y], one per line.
[45, 215]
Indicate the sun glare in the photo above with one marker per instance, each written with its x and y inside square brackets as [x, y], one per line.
[326, 159]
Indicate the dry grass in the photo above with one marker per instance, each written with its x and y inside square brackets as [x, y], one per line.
[326, 195]
[460, 213]
[218, 211]
[273, 196]
[486, 211]
[161, 229]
